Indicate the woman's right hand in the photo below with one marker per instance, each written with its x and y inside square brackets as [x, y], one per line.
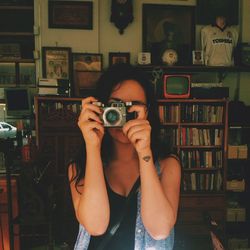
[90, 123]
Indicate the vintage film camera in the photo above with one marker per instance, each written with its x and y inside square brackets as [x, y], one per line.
[116, 113]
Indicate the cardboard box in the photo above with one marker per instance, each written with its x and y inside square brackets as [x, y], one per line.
[236, 214]
[236, 186]
[237, 151]
[236, 243]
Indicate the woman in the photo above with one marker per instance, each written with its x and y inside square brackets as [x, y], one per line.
[111, 161]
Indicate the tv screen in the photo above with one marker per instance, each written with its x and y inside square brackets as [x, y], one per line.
[17, 102]
[177, 86]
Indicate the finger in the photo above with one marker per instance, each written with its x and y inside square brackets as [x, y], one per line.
[91, 125]
[93, 107]
[89, 115]
[88, 100]
[145, 127]
[141, 111]
[132, 123]
[139, 135]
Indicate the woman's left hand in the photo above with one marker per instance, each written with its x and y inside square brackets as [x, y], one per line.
[138, 130]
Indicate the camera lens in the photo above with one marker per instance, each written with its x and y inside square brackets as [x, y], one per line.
[112, 116]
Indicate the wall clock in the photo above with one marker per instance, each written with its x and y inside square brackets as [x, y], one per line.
[121, 14]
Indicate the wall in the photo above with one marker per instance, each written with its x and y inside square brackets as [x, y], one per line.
[105, 38]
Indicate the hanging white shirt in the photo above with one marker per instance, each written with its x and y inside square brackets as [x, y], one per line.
[218, 45]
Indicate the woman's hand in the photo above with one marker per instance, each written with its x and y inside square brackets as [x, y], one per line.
[138, 130]
[90, 123]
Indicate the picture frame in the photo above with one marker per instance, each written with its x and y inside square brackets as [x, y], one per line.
[87, 68]
[119, 57]
[57, 62]
[71, 14]
[198, 57]
[8, 76]
[85, 82]
[168, 27]
[27, 74]
[87, 61]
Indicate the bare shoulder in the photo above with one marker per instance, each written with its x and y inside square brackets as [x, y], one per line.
[170, 164]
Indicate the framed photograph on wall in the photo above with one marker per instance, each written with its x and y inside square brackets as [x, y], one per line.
[71, 14]
[87, 61]
[198, 57]
[87, 68]
[56, 62]
[168, 27]
[119, 57]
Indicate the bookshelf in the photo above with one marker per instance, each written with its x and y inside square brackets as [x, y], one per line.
[17, 43]
[198, 128]
[237, 188]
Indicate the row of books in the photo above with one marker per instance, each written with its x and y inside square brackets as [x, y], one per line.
[191, 113]
[202, 113]
[202, 181]
[201, 159]
[201, 136]
[169, 113]
[52, 107]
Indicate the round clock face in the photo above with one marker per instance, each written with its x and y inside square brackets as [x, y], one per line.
[170, 57]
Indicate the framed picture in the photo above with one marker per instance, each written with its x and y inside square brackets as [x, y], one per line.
[56, 62]
[168, 27]
[27, 74]
[71, 14]
[87, 61]
[87, 69]
[84, 81]
[7, 74]
[198, 58]
[119, 57]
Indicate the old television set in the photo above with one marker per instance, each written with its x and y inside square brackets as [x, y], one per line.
[18, 102]
[176, 86]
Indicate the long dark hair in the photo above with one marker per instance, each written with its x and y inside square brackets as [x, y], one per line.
[113, 76]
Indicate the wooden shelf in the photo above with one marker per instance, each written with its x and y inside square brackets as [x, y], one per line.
[191, 100]
[199, 146]
[201, 169]
[16, 7]
[202, 194]
[16, 34]
[22, 60]
[193, 68]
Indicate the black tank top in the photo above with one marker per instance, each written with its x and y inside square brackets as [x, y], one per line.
[124, 237]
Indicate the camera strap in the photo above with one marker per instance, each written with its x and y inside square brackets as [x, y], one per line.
[112, 230]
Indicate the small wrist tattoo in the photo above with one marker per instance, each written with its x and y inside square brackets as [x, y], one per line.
[146, 158]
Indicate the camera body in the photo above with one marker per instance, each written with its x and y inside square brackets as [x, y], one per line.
[116, 114]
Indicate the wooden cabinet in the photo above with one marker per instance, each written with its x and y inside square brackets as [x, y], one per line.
[57, 133]
[59, 139]
[198, 129]
[4, 241]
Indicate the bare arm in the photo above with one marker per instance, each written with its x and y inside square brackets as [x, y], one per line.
[91, 204]
[160, 197]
